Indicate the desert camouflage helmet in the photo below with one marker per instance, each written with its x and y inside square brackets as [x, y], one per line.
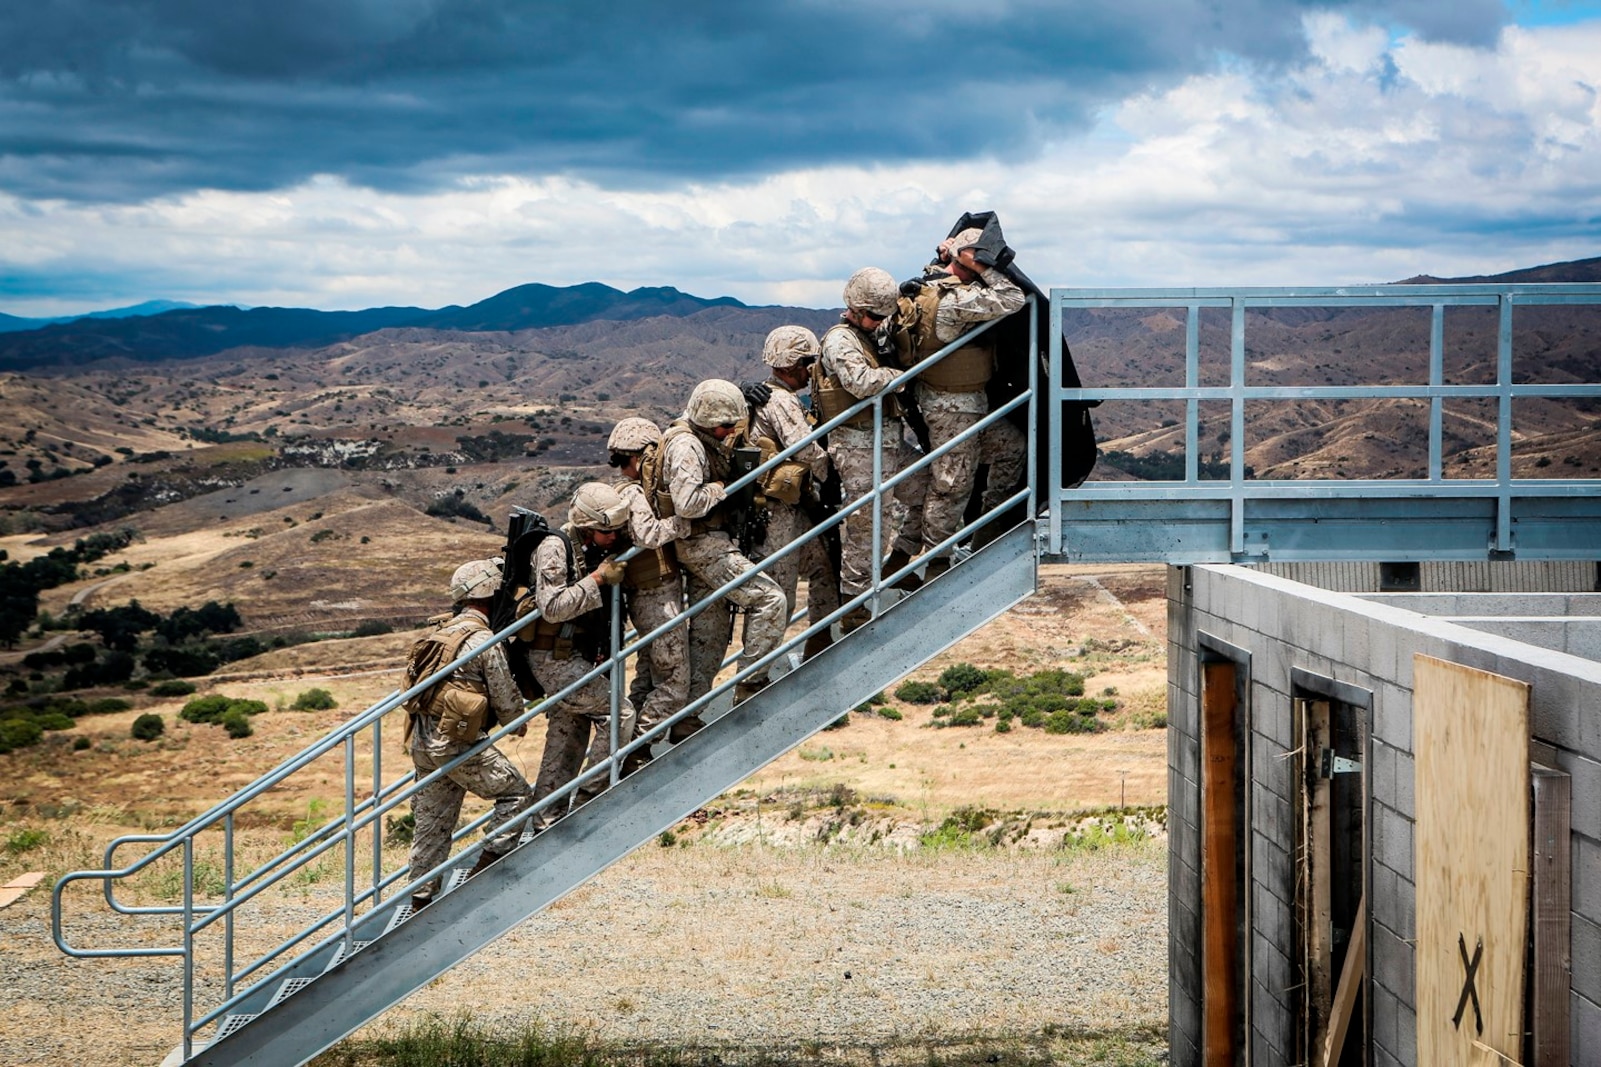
[872, 290]
[789, 345]
[633, 434]
[597, 506]
[716, 402]
[966, 239]
[478, 580]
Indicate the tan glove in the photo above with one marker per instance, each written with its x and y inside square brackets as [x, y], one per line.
[610, 572]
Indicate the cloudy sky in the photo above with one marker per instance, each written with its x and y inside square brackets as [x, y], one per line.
[351, 153]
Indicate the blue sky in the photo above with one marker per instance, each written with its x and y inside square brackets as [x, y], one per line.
[351, 153]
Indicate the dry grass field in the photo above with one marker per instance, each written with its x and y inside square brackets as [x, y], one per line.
[750, 857]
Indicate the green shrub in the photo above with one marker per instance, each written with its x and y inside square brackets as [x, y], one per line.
[172, 687]
[245, 707]
[371, 627]
[919, 693]
[109, 705]
[19, 733]
[25, 840]
[893, 714]
[80, 743]
[148, 727]
[205, 709]
[237, 723]
[963, 717]
[961, 678]
[314, 700]
[54, 720]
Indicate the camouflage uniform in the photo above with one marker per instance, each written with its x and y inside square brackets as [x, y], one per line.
[694, 478]
[850, 357]
[783, 421]
[583, 717]
[436, 807]
[661, 673]
[949, 413]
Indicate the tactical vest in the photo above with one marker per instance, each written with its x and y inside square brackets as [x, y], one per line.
[588, 636]
[967, 369]
[716, 471]
[831, 398]
[461, 705]
[652, 566]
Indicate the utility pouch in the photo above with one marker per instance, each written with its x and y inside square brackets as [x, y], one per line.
[462, 713]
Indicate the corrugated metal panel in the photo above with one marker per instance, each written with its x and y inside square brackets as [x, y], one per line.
[1508, 576]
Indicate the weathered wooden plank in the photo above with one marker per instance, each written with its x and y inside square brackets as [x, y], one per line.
[1351, 978]
[1552, 919]
[1471, 858]
[1219, 871]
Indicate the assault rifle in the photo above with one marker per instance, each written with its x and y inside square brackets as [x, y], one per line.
[747, 522]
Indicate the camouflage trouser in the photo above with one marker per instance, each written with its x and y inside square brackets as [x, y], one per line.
[436, 807]
[854, 461]
[1001, 445]
[661, 671]
[712, 560]
[582, 718]
[785, 523]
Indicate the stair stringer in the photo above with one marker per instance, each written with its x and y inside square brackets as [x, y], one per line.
[396, 963]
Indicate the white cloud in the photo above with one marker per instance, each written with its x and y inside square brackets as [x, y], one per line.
[1373, 160]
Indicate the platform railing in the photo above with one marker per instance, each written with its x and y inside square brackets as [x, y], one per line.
[1241, 518]
[368, 797]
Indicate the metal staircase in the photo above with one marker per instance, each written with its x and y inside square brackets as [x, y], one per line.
[289, 1002]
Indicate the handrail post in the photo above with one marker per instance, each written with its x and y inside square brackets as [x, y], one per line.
[188, 946]
[227, 898]
[615, 678]
[874, 555]
[377, 822]
[349, 834]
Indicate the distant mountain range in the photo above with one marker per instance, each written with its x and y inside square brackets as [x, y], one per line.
[13, 323]
[160, 330]
[191, 332]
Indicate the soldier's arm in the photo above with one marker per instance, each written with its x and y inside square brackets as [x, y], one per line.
[644, 528]
[790, 425]
[845, 360]
[558, 601]
[693, 496]
[964, 305]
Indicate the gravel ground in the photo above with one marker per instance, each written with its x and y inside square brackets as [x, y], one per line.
[750, 946]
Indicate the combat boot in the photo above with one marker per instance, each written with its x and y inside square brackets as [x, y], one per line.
[817, 642]
[910, 583]
[636, 759]
[486, 860]
[745, 690]
[684, 729]
[936, 567]
[854, 618]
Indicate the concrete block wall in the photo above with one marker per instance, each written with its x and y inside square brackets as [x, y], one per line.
[1369, 646]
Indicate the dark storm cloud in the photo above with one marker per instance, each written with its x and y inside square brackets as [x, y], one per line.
[119, 100]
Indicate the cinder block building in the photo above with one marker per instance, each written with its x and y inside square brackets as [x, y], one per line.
[1385, 824]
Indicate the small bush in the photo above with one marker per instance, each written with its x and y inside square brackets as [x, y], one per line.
[18, 733]
[961, 678]
[893, 714]
[919, 693]
[80, 743]
[22, 841]
[963, 717]
[245, 707]
[53, 720]
[205, 709]
[398, 831]
[314, 700]
[147, 727]
[109, 706]
[237, 723]
[172, 687]
[372, 627]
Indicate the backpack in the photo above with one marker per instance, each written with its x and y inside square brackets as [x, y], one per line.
[462, 717]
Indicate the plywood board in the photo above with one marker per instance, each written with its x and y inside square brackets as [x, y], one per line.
[1470, 733]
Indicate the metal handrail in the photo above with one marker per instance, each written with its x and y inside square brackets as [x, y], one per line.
[1237, 489]
[367, 812]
